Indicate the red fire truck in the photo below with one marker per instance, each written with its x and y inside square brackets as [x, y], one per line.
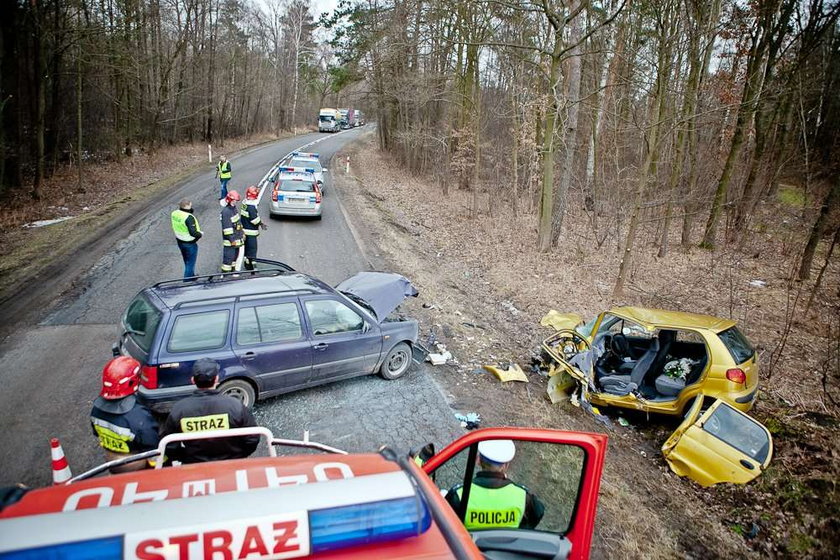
[319, 502]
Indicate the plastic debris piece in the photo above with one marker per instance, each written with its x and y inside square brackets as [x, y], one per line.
[511, 373]
[470, 420]
[559, 321]
[555, 393]
[558, 387]
[758, 283]
[623, 422]
[439, 359]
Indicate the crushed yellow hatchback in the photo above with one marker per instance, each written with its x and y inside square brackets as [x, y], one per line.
[674, 363]
[656, 360]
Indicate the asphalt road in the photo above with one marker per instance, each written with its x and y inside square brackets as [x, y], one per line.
[51, 367]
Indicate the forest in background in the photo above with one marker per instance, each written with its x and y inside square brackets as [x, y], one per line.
[678, 113]
[683, 114]
[91, 80]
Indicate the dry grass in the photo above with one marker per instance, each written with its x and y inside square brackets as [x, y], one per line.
[489, 288]
[107, 189]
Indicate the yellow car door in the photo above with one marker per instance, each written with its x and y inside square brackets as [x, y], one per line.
[721, 444]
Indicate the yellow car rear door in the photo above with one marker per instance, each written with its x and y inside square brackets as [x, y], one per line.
[720, 444]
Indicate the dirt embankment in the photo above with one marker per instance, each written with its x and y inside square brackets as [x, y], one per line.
[108, 189]
[485, 287]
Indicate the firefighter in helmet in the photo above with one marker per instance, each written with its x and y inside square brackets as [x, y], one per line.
[123, 426]
[495, 501]
[251, 225]
[232, 237]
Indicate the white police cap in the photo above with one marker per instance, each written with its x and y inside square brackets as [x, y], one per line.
[497, 450]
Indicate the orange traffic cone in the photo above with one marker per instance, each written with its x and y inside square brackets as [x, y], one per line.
[60, 469]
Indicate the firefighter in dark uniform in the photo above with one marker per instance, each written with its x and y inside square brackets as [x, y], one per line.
[232, 236]
[251, 225]
[123, 426]
[208, 409]
[495, 501]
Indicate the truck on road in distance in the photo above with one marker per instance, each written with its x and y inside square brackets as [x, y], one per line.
[328, 120]
[348, 118]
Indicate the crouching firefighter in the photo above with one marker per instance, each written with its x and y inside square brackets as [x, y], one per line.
[232, 237]
[123, 425]
[251, 225]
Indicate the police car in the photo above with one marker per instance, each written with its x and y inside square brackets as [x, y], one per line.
[295, 193]
[309, 161]
[332, 505]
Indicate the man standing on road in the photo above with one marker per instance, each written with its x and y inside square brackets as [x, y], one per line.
[251, 225]
[495, 501]
[207, 409]
[187, 233]
[232, 236]
[123, 426]
[223, 173]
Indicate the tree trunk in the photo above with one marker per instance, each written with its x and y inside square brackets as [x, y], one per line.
[40, 71]
[547, 189]
[572, 104]
[831, 201]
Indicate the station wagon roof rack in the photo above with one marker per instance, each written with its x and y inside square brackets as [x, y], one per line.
[278, 269]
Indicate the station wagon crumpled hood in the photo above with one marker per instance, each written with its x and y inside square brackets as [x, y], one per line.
[382, 291]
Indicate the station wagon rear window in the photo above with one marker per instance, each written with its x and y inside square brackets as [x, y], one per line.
[296, 186]
[737, 344]
[141, 321]
[199, 331]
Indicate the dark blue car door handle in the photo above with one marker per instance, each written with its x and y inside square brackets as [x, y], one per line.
[320, 346]
[249, 355]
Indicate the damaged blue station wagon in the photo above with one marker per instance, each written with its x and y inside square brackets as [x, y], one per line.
[273, 331]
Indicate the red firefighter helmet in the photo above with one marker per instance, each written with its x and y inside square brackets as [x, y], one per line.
[252, 192]
[232, 196]
[120, 378]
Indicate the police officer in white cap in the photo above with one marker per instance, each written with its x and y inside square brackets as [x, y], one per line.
[495, 501]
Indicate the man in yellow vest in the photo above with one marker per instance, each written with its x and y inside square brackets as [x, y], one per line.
[187, 233]
[223, 173]
[495, 501]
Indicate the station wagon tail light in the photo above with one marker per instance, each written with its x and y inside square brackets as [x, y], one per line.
[149, 377]
[274, 195]
[317, 198]
[736, 375]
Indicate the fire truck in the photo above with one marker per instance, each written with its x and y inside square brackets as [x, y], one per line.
[307, 499]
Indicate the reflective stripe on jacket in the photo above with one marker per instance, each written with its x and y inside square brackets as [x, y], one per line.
[495, 507]
[123, 426]
[180, 227]
[224, 170]
[231, 227]
[250, 218]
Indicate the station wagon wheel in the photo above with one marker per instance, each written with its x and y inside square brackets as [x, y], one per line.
[239, 389]
[396, 362]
